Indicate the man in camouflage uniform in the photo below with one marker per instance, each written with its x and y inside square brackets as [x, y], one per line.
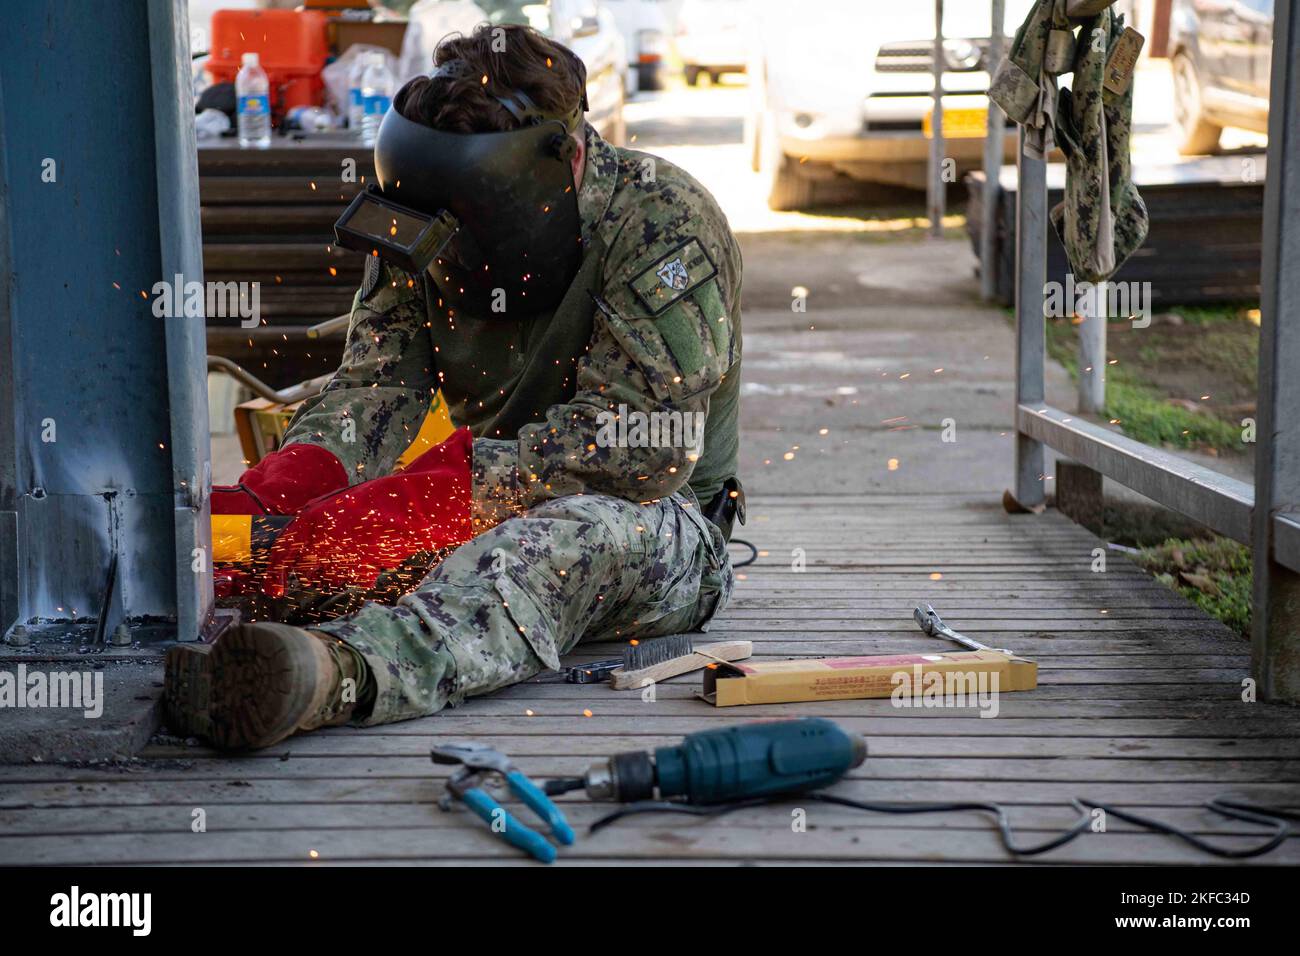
[576, 537]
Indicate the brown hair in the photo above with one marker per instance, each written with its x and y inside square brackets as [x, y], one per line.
[523, 59]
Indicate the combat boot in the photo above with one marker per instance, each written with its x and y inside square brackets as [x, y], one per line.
[261, 683]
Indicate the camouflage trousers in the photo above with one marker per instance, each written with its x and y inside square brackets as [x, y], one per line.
[506, 605]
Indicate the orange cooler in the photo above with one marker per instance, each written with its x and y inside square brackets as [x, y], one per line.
[291, 45]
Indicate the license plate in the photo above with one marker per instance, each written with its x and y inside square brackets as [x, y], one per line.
[958, 124]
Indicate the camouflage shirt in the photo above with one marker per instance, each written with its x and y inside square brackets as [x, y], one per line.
[656, 365]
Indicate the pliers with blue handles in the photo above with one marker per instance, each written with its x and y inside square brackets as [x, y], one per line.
[478, 764]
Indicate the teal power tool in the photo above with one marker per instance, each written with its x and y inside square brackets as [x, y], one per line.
[479, 763]
[750, 763]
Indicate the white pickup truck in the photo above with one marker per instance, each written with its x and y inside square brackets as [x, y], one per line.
[845, 89]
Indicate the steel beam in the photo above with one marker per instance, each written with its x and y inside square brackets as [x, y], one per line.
[181, 248]
[1031, 343]
[1092, 354]
[103, 410]
[936, 192]
[1275, 645]
[994, 145]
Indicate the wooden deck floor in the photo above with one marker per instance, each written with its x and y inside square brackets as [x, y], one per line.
[1139, 704]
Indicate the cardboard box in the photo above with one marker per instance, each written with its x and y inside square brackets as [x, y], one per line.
[850, 678]
[388, 33]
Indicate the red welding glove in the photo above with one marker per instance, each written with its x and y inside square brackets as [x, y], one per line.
[282, 482]
[348, 538]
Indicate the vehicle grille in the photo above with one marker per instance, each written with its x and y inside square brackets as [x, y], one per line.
[917, 56]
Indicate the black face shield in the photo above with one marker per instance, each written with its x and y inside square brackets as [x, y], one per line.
[494, 216]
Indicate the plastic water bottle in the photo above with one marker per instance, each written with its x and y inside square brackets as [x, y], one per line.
[253, 98]
[355, 107]
[376, 96]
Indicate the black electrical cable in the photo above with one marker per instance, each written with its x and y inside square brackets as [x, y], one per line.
[670, 806]
[1263, 816]
[753, 553]
[1003, 821]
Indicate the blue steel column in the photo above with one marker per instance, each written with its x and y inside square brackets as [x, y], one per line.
[103, 417]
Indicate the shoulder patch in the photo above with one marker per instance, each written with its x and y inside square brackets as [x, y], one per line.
[370, 277]
[676, 274]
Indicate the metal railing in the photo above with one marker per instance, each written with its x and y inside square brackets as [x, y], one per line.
[1264, 516]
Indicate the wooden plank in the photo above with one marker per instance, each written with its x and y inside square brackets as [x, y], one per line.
[424, 817]
[1101, 622]
[1159, 699]
[698, 839]
[267, 220]
[258, 190]
[1135, 748]
[1054, 652]
[1009, 706]
[138, 790]
[1062, 769]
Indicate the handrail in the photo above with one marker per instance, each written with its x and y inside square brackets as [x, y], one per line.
[1217, 501]
[1265, 516]
[330, 326]
[284, 396]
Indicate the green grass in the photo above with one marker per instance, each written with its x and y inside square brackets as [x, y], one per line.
[1144, 414]
[1214, 314]
[1213, 573]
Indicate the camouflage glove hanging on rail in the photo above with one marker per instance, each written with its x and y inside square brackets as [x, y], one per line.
[1025, 83]
[1102, 219]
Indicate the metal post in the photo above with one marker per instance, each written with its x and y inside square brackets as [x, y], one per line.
[181, 231]
[1092, 352]
[1031, 345]
[935, 197]
[103, 408]
[994, 137]
[1275, 648]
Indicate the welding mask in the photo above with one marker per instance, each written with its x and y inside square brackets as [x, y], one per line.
[492, 216]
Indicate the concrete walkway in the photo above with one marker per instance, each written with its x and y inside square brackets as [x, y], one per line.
[894, 346]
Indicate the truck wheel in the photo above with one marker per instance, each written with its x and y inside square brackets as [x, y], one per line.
[692, 75]
[1198, 134]
[647, 76]
[786, 187]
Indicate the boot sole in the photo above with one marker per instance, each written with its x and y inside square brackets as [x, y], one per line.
[187, 690]
[262, 685]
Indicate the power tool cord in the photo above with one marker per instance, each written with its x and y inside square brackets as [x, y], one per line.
[753, 553]
[1262, 816]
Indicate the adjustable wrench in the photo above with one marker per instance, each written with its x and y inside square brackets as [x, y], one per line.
[928, 619]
